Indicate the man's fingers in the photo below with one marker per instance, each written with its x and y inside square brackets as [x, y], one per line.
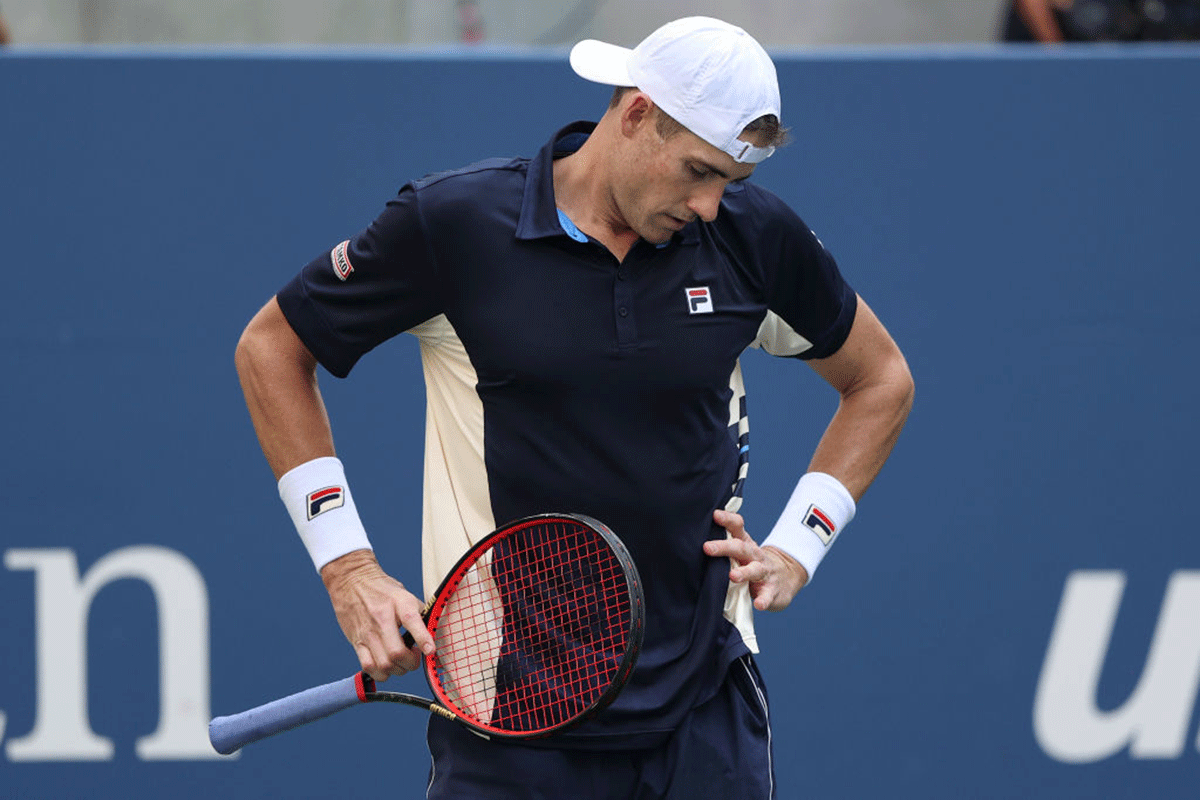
[751, 566]
[735, 524]
[773, 579]
[368, 663]
[381, 657]
[415, 625]
[380, 644]
[741, 550]
[764, 600]
[381, 662]
[400, 659]
[371, 607]
[752, 572]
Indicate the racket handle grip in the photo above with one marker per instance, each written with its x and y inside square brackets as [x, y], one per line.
[234, 732]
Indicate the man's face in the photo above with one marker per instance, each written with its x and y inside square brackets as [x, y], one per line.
[665, 183]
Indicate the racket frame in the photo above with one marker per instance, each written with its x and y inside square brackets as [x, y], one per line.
[230, 733]
[446, 707]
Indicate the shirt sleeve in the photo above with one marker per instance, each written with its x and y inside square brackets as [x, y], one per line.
[811, 305]
[379, 283]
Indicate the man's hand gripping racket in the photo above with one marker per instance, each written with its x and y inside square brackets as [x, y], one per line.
[536, 629]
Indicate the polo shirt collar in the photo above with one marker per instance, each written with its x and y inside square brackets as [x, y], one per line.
[539, 214]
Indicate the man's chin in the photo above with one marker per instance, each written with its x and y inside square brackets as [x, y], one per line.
[658, 234]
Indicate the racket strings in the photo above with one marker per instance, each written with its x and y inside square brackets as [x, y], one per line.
[536, 630]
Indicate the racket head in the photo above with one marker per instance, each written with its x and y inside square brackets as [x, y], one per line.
[537, 628]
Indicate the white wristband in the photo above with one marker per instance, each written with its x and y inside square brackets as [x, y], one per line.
[819, 508]
[319, 502]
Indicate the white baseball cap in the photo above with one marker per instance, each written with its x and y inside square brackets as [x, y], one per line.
[710, 76]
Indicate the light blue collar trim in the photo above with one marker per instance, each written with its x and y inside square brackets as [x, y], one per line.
[578, 235]
[569, 227]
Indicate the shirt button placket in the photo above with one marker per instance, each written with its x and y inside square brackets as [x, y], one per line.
[622, 308]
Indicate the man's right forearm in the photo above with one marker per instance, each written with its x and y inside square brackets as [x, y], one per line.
[279, 379]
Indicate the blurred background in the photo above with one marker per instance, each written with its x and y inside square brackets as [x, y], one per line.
[777, 23]
[1013, 613]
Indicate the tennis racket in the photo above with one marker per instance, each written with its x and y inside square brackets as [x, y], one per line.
[536, 629]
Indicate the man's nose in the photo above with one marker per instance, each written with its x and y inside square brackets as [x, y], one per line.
[705, 203]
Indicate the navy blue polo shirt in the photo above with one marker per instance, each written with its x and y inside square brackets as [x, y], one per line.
[562, 379]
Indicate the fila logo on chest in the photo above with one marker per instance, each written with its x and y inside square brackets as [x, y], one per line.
[699, 300]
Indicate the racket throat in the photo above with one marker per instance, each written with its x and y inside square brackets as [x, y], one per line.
[442, 711]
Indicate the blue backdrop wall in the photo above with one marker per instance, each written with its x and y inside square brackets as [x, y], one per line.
[1013, 613]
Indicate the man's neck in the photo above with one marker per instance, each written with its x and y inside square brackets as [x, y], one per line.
[582, 191]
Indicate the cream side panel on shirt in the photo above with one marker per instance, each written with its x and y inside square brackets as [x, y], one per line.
[779, 339]
[456, 508]
[739, 607]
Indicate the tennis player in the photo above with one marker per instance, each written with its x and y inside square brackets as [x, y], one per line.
[580, 316]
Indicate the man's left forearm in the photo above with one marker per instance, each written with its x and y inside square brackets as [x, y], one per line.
[876, 388]
[862, 433]
[871, 374]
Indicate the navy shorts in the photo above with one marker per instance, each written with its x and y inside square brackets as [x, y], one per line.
[722, 749]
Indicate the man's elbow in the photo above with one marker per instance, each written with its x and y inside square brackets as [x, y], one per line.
[902, 384]
[268, 342]
[250, 348]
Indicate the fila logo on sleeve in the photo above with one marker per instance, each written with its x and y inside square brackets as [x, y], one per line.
[819, 523]
[699, 300]
[341, 261]
[326, 499]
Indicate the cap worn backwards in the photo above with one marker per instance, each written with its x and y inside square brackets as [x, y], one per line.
[711, 77]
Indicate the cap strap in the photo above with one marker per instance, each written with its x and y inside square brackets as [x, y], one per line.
[746, 153]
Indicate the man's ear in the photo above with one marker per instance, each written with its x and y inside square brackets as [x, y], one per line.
[636, 112]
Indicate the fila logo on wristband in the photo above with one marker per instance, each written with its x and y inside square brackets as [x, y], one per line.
[326, 499]
[819, 523]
